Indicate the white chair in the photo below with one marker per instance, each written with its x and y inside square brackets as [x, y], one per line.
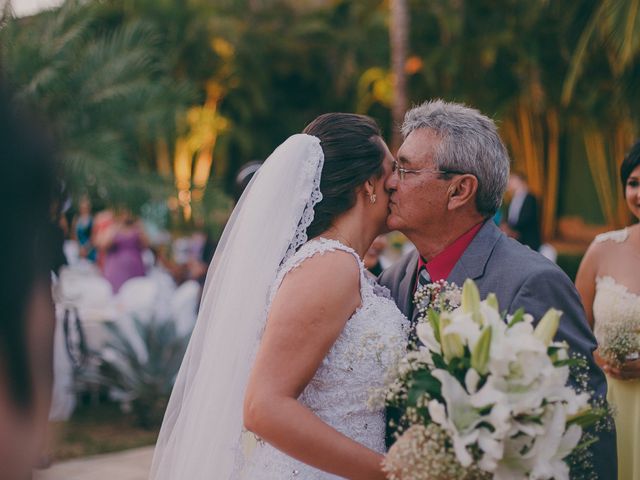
[136, 297]
[84, 290]
[63, 398]
[184, 306]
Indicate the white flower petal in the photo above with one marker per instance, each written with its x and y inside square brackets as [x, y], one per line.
[471, 380]
[427, 337]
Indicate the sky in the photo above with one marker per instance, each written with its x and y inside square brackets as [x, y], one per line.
[29, 7]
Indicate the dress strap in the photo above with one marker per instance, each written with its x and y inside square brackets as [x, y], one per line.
[320, 245]
[617, 236]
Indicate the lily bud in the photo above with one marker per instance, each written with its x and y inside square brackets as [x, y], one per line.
[480, 354]
[452, 346]
[434, 320]
[471, 300]
[492, 301]
[548, 326]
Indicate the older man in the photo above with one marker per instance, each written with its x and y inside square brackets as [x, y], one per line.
[450, 176]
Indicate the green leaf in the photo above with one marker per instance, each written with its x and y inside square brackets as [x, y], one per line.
[434, 319]
[518, 317]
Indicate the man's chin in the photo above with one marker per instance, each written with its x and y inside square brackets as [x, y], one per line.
[393, 223]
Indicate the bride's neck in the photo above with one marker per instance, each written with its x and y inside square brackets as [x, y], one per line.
[351, 232]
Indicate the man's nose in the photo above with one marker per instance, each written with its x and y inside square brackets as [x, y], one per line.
[392, 181]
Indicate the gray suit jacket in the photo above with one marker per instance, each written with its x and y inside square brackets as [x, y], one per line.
[523, 278]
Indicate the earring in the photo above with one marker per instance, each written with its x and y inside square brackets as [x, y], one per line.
[372, 198]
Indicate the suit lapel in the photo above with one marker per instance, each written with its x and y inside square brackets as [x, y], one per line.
[473, 261]
[407, 284]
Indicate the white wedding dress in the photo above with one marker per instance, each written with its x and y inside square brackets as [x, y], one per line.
[373, 339]
[202, 435]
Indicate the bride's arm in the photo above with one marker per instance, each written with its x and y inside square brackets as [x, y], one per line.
[310, 310]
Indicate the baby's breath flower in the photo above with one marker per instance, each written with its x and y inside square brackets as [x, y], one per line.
[620, 342]
[425, 453]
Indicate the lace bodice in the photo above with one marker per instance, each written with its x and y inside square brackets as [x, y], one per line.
[615, 308]
[372, 341]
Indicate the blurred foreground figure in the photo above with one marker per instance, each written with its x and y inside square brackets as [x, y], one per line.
[27, 323]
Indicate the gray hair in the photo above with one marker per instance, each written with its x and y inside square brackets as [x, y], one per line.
[469, 143]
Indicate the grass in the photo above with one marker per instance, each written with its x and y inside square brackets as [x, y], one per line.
[95, 429]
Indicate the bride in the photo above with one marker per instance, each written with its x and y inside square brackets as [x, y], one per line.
[292, 335]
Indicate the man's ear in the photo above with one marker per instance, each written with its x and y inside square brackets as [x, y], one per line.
[462, 191]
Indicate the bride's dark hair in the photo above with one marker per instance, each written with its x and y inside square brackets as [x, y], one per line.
[353, 153]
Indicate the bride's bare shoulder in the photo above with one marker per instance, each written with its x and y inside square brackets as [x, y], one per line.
[334, 266]
[323, 279]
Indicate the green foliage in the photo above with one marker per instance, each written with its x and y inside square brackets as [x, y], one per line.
[107, 92]
[422, 383]
[291, 63]
[115, 76]
[143, 381]
[570, 264]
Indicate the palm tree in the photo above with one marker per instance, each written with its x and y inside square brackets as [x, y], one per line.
[607, 53]
[107, 92]
[399, 35]
[613, 25]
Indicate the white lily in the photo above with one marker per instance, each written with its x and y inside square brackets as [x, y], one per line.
[427, 337]
[460, 418]
[471, 380]
[553, 446]
[463, 326]
[451, 343]
[511, 466]
[491, 316]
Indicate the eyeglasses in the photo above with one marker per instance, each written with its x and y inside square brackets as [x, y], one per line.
[402, 172]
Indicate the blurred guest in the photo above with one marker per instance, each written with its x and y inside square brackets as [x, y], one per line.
[102, 221]
[497, 217]
[372, 259]
[82, 227]
[609, 285]
[58, 230]
[198, 265]
[522, 222]
[27, 190]
[123, 241]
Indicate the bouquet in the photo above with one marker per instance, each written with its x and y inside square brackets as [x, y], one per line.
[620, 343]
[486, 395]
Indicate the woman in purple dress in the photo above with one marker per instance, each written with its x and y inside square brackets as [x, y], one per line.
[124, 242]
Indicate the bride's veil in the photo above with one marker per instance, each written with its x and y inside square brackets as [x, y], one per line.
[201, 432]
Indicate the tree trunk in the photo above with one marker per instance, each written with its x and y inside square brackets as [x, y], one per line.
[398, 36]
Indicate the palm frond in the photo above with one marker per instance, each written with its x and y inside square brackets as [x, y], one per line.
[145, 382]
